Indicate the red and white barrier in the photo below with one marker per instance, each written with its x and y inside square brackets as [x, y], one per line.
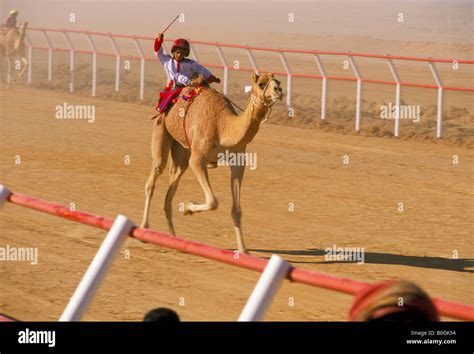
[262, 296]
[390, 59]
[97, 270]
[304, 276]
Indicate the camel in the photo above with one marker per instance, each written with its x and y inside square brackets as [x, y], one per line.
[212, 127]
[12, 43]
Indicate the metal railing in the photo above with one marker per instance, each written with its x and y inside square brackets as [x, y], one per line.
[288, 72]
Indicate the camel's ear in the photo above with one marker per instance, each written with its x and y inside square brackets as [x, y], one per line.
[254, 77]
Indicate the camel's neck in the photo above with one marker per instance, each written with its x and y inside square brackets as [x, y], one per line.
[240, 130]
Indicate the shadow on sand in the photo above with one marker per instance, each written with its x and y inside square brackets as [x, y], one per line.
[457, 265]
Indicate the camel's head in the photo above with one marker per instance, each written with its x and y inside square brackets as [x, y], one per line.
[266, 87]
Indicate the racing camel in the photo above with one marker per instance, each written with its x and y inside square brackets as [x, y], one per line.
[210, 126]
[12, 43]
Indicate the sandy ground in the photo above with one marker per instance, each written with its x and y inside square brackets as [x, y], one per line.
[299, 160]
[353, 205]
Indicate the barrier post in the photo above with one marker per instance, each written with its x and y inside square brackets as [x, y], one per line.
[324, 85]
[142, 68]
[98, 268]
[71, 61]
[117, 62]
[193, 51]
[4, 194]
[253, 62]
[30, 58]
[226, 69]
[356, 71]
[94, 64]
[265, 290]
[439, 114]
[50, 55]
[396, 77]
[288, 82]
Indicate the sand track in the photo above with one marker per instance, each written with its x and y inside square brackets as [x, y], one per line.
[352, 205]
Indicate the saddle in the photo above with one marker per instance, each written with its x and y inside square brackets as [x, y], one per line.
[171, 94]
[168, 97]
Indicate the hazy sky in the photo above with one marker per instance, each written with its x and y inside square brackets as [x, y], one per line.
[435, 20]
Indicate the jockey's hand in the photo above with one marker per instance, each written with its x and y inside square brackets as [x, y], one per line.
[161, 36]
[212, 79]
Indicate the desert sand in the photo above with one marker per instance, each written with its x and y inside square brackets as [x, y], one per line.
[300, 161]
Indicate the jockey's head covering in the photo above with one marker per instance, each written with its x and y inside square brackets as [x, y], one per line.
[13, 12]
[181, 43]
[393, 300]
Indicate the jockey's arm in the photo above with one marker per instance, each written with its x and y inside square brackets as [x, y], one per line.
[198, 68]
[159, 51]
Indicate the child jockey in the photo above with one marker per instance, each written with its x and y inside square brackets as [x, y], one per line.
[179, 70]
[177, 67]
[11, 21]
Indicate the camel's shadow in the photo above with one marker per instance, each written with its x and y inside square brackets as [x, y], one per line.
[453, 264]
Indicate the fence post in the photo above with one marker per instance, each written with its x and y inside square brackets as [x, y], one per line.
[4, 194]
[265, 290]
[50, 55]
[30, 58]
[396, 77]
[288, 73]
[71, 61]
[439, 114]
[94, 64]
[356, 71]
[142, 68]
[117, 62]
[324, 85]
[252, 61]
[98, 268]
[193, 51]
[224, 63]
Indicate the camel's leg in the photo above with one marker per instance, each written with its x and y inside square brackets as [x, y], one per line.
[25, 66]
[9, 70]
[198, 165]
[236, 176]
[160, 147]
[179, 165]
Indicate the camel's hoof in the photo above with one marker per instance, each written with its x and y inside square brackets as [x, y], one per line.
[187, 210]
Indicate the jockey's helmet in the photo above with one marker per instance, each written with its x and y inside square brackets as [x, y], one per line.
[181, 43]
[13, 12]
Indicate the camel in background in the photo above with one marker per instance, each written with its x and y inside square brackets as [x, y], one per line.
[212, 127]
[12, 43]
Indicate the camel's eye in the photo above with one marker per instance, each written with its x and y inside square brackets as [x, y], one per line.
[262, 85]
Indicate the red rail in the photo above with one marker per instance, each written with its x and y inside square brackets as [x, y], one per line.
[275, 50]
[348, 286]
